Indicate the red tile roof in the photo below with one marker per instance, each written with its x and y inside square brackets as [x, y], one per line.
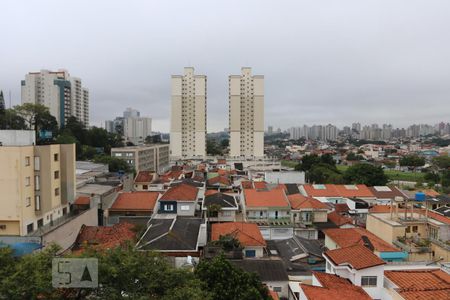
[421, 284]
[144, 176]
[182, 192]
[82, 200]
[299, 201]
[248, 234]
[338, 190]
[211, 192]
[333, 288]
[358, 256]
[265, 198]
[135, 201]
[354, 191]
[341, 207]
[247, 184]
[104, 237]
[390, 193]
[346, 237]
[171, 175]
[219, 179]
[338, 219]
[260, 184]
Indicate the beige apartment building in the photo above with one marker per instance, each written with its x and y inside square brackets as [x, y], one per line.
[37, 184]
[188, 116]
[153, 158]
[246, 109]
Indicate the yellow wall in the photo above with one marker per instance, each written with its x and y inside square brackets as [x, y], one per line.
[383, 230]
[12, 228]
[440, 252]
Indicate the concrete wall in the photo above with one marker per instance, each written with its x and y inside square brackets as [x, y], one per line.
[66, 234]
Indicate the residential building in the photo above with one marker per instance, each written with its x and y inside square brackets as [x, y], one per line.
[143, 180]
[144, 158]
[345, 237]
[248, 235]
[220, 207]
[62, 94]
[246, 109]
[181, 200]
[37, 184]
[128, 204]
[136, 129]
[360, 266]
[188, 117]
[305, 212]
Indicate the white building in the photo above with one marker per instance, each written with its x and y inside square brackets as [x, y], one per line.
[246, 108]
[62, 94]
[188, 117]
[136, 129]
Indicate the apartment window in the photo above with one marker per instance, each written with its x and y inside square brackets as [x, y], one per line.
[56, 175]
[408, 229]
[37, 183]
[434, 233]
[27, 161]
[30, 228]
[28, 201]
[40, 223]
[56, 157]
[37, 202]
[184, 207]
[37, 163]
[57, 192]
[369, 281]
[277, 289]
[27, 181]
[415, 228]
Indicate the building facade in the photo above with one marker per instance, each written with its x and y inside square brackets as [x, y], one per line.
[153, 158]
[188, 117]
[136, 129]
[62, 94]
[246, 114]
[37, 184]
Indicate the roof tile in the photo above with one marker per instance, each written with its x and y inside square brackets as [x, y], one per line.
[358, 256]
[248, 234]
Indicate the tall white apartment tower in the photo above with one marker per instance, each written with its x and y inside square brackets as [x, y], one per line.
[246, 109]
[188, 117]
[61, 93]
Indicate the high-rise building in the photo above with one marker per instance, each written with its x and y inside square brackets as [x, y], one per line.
[188, 117]
[37, 182]
[270, 129]
[131, 113]
[246, 109]
[61, 93]
[136, 129]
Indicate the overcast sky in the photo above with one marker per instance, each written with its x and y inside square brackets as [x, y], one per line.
[323, 61]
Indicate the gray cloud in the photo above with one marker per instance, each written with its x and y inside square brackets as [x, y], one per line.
[324, 61]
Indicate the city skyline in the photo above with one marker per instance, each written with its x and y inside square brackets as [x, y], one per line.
[396, 69]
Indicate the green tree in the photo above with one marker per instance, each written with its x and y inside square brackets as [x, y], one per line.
[412, 161]
[9, 119]
[37, 117]
[324, 173]
[307, 162]
[354, 157]
[441, 162]
[367, 174]
[227, 282]
[225, 143]
[212, 148]
[114, 164]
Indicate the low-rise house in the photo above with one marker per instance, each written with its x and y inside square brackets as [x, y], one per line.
[305, 212]
[359, 265]
[327, 286]
[144, 181]
[270, 209]
[179, 237]
[180, 200]
[437, 202]
[103, 237]
[340, 220]
[422, 233]
[270, 271]
[345, 237]
[386, 194]
[248, 235]
[220, 207]
[417, 284]
[337, 193]
[81, 203]
[219, 183]
[141, 204]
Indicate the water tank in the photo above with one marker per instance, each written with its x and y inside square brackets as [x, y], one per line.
[420, 196]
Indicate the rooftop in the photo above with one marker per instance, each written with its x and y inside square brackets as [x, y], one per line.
[346, 237]
[267, 269]
[135, 201]
[265, 198]
[144, 176]
[182, 192]
[339, 219]
[224, 200]
[298, 201]
[103, 237]
[357, 256]
[248, 234]
[421, 284]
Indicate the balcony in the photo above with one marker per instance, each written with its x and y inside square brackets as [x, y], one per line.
[413, 245]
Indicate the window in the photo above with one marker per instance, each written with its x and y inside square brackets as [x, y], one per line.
[37, 163]
[184, 207]
[277, 289]
[30, 228]
[168, 207]
[55, 157]
[40, 223]
[433, 233]
[27, 181]
[28, 201]
[408, 229]
[64, 211]
[27, 161]
[57, 192]
[369, 281]
[56, 175]
[37, 202]
[415, 228]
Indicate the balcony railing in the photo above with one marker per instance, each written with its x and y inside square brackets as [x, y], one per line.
[411, 247]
